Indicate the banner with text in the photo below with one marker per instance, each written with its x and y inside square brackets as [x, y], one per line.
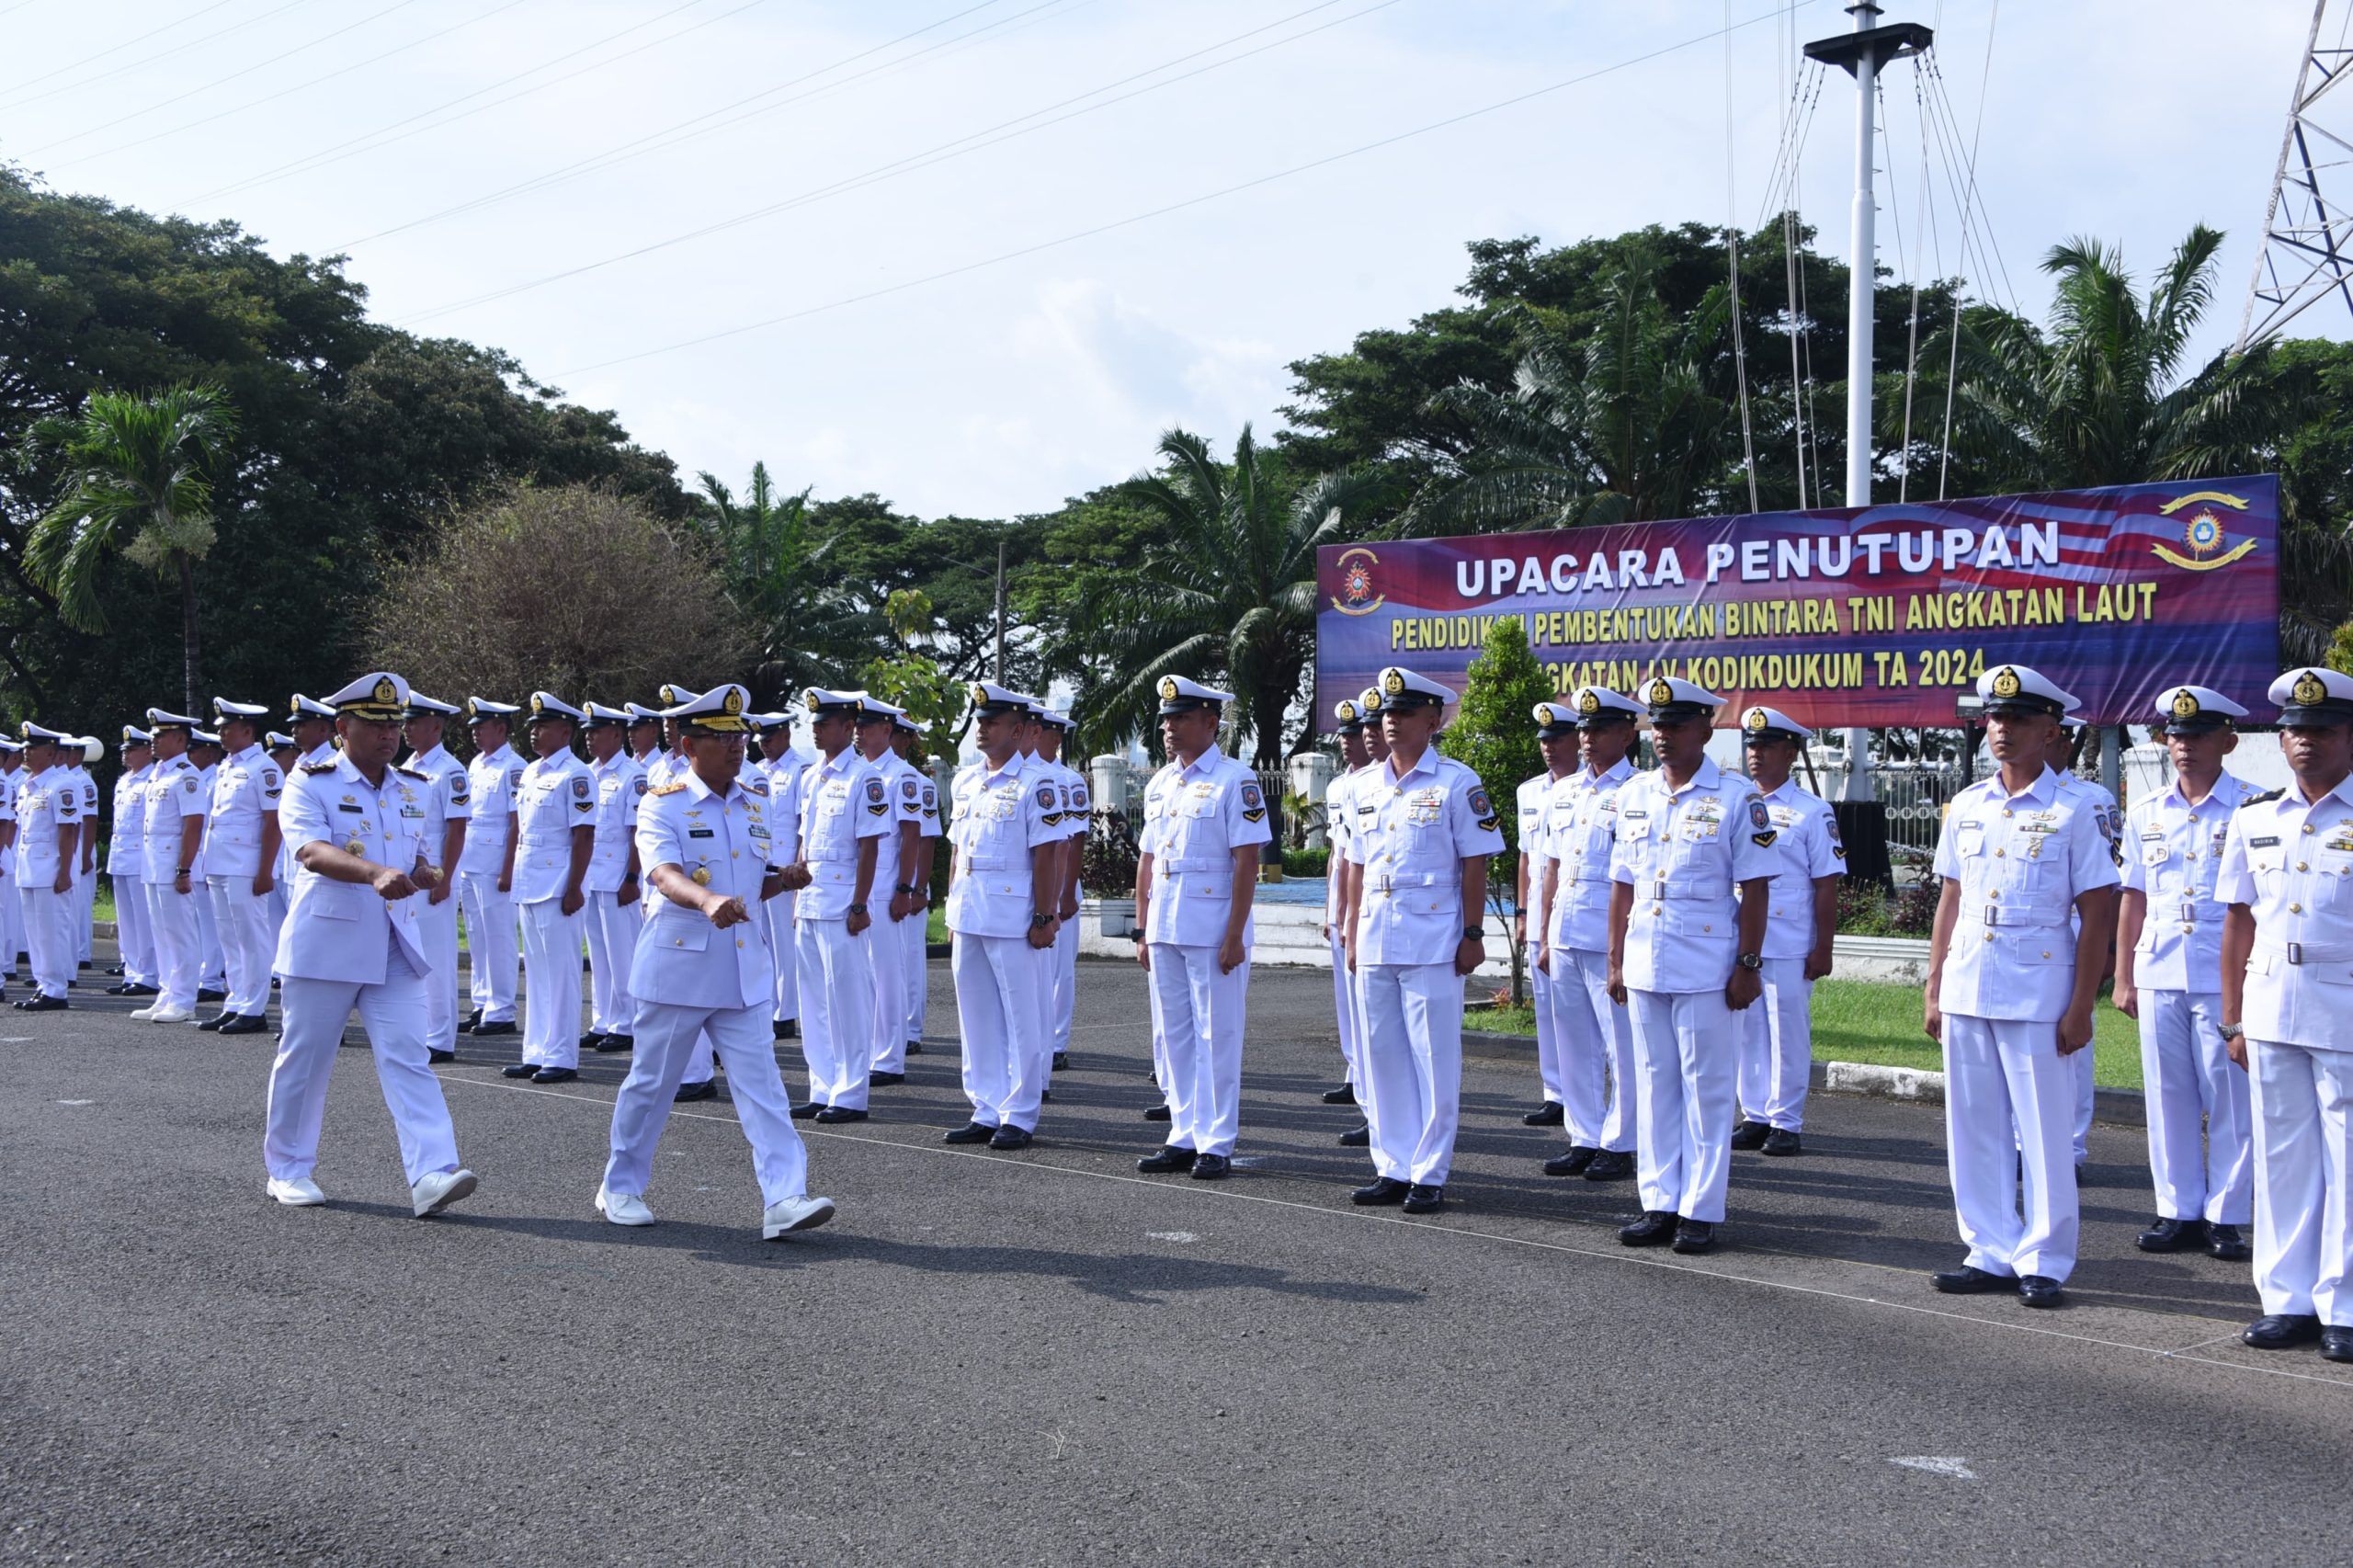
[1872, 616]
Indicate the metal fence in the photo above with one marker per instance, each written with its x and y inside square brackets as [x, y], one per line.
[1916, 798]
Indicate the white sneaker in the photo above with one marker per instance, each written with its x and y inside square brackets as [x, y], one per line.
[162, 1015]
[624, 1208]
[794, 1214]
[143, 1013]
[300, 1193]
[440, 1189]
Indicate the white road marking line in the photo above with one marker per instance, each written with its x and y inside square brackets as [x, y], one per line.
[77, 1102]
[1956, 1468]
[1170, 1236]
[1212, 1192]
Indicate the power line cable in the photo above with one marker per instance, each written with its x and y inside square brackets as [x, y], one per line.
[1189, 202]
[284, 92]
[913, 162]
[1731, 267]
[131, 42]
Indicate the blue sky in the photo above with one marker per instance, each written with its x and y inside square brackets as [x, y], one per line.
[1013, 384]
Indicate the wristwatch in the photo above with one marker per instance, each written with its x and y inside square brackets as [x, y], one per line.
[858, 909]
[1752, 960]
[905, 887]
[2231, 1032]
[1471, 933]
[1038, 922]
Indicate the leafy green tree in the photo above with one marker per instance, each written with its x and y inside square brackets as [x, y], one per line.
[1493, 736]
[2340, 653]
[139, 482]
[910, 678]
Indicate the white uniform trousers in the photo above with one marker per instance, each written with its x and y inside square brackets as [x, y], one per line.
[551, 978]
[437, 930]
[134, 937]
[2085, 1093]
[784, 944]
[85, 907]
[888, 940]
[12, 921]
[1777, 1046]
[490, 944]
[1599, 1098]
[49, 938]
[1344, 1007]
[919, 977]
[612, 929]
[666, 1035]
[837, 1010]
[2201, 1161]
[1412, 1045]
[248, 946]
[172, 917]
[1688, 1059]
[2009, 1101]
[1062, 992]
[1547, 1037]
[314, 1013]
[212, 960]
[2304, 1162]
[999, 983]
[1201, 1013]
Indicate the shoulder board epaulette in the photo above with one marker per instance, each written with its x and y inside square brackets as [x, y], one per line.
[2257, 799]
[413, 773]
[755, 787]
[666, 788]
[318, 767]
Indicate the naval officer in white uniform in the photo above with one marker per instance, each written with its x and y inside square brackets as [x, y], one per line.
[436, 915]
[351, 942]
[173, 832]
[486, 868]
[555, 836]
[126, 852]
[48, 837]
[240, 841]
[616, 907]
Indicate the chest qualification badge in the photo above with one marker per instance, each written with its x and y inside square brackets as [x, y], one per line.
[703, 876]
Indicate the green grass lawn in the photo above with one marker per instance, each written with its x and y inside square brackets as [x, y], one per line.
[1861, 1021]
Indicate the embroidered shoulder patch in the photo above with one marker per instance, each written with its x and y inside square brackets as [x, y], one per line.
[1251, 799]
[1046, 796]
[909, 788]
[579, 787]
[1480, 805]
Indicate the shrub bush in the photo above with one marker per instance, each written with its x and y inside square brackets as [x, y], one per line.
[1307, 862]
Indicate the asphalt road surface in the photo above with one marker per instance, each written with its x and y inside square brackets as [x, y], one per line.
[1045, 1358]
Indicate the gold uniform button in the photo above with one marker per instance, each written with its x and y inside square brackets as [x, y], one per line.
[1991, 893]
[739, 942]
[2307, 827]
[2301, 867]
[2295, 909]
[2007, 811]
[2188, 929]
[2046, 953]
[1999, 853]
[1989, 935]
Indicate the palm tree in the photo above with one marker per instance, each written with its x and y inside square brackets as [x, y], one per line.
[1227, 593]
[139, 476]
[1609, 423]
[808, 623]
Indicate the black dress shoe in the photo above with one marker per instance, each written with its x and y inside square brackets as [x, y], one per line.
[1157, 1113]
[776, 1029]
[833, 1113]
[914, 1048]
[471, 1022]
[435, 1056]
[243, 1023]
[1694, 1235]
[1212, 1168]
[2280, 1331]
[1782, 1142]
[705, 1090]
[2039, 1291]
[1061, 1060]
[142, 989]
[1345, 1094]
[1750, 1135]
[1571, 1163]
[1045, 1096]
[211, 994]
[610, 1043]
[1655, 1228]
[520, 1070]
[879, 1080]
[44, 1005]
[1550, 1114]
[1358, 1137]
[2171, 1235]
[1971, 1280]
[801, 1112]
[506, 1028]
[1010, 1137]
[592, 1040]
[115, 990]
[215, 1021]
[1169, 1158]
[114, 968]
[1611, 1164]
[1381, 1193]
[2225, 1243]
[971, 1132]
[555, 1074]
[1422, 1198]
[2336, 1343]
[791, 1029]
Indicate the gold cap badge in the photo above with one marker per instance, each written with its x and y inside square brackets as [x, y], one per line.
[2005, 682]
[2184, 704]
[976, 692]
[1589, 702]
[539, 704]
[386, 691]
[732, 702]
[1347, 711]
[1394, 683]
[1662, 690]
[2311, 688]
[1757, 719]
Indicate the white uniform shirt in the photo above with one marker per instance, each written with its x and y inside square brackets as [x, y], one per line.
[175, 792]
[246, 789]
[997, 817]
[620, 789]
[842, 801]
[344, 930]
[1340, 818]
[1580, 836]
[49, 801]
[453, 798]
[2173, 856]
[1531, 798]
[1412, 835]
[725, 845]
[556, 796]
[2021, 861]
[494, 779]
[2292, 864]
[89, 787]
[903, 788]
[1685, 852]
[127, 834]
[1805, 846]
[202, 866]
[10, 783]
[1194, 819]
[783, 779]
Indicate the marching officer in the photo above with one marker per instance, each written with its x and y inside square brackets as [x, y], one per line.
[1595, 1039]
[1801, 922]
[241, 840]
[351, 942]
[614, 910]
[1195, 881]
[2010, 990]
[172, 822]
[1556, 743]
[702, 967]
[125, 852]
[486, 867]
[2169, 979]
[436, 915]
[896, 851]
[1001, 900]
[1078, 809]
[1422, 857]
[48, 839]
[555, 836]
[780, 767]
[699, 1079]
[2287, 978]
[845, 813]
[903, 740]
[1687, 932]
